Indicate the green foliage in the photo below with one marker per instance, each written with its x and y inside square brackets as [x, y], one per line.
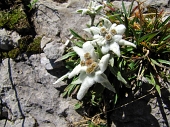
[145, 64]
[25, 45]
[34, 47]
[31, 5]
[13, 53]
[15, 19]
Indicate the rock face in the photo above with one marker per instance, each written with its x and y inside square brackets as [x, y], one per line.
[8, 39]
[28, 96]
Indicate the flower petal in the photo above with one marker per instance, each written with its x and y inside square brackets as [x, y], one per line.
[93, 29]
[113, 26]
[79, 51]
[120, 29]
[107, 22]
[124, 42]
[100, 40]
[77, 70]
[87, 83]
[104, 62]
[105, 48]
[102, 78]
[88, 47]
[62, 78]
[116, 38]
[115, 48]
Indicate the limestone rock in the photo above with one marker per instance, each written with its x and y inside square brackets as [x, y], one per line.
[44, 41]
[8, 39]
[27, 89]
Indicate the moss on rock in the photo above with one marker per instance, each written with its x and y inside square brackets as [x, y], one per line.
[13, 53]
[34, 47]
[14, 19]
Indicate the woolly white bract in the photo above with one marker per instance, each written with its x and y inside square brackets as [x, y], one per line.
[109, 36]
[90, 70]
[92, 9]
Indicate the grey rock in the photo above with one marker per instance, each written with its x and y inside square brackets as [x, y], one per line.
[46, 62]
[27, 89]
[54, 50]
[54, 20]
[46, 20]
[26, 122]
[155, 2]
[44, 41]
[8, 39]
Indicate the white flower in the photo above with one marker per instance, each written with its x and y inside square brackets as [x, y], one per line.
[109, 36]
[90, 69]
[92, 9]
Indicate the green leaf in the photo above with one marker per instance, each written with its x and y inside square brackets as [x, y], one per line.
[166, 21]
[134, 33]
[78, 105]
[127, 26]
[77, 35]
[78, 43]
[149, 36]
[152, 81]
[167, 37]
[69, 89]
[124, 8]
[117, 73]
[69, 54]
[99, 51]
[155, 62]
[120, 20]
[130, 8]
[158, 89]
[116, 98]
[164, 61]
[70, 64]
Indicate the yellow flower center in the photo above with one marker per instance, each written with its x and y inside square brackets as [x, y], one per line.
[87, 56]
[91, 68]
[113, 32]
[89, 62]
[108, 37]
[103, 30]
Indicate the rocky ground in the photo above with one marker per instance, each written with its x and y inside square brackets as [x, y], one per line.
[28, 96]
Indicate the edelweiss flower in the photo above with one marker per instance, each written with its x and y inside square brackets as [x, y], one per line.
[109, 36]
[92, 9]
[91, 69]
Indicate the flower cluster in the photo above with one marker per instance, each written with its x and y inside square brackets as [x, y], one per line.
[90, 69]
[107, 37]
[92, 9]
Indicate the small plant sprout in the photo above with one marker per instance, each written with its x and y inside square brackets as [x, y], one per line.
[31, 5]
[92, 10]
